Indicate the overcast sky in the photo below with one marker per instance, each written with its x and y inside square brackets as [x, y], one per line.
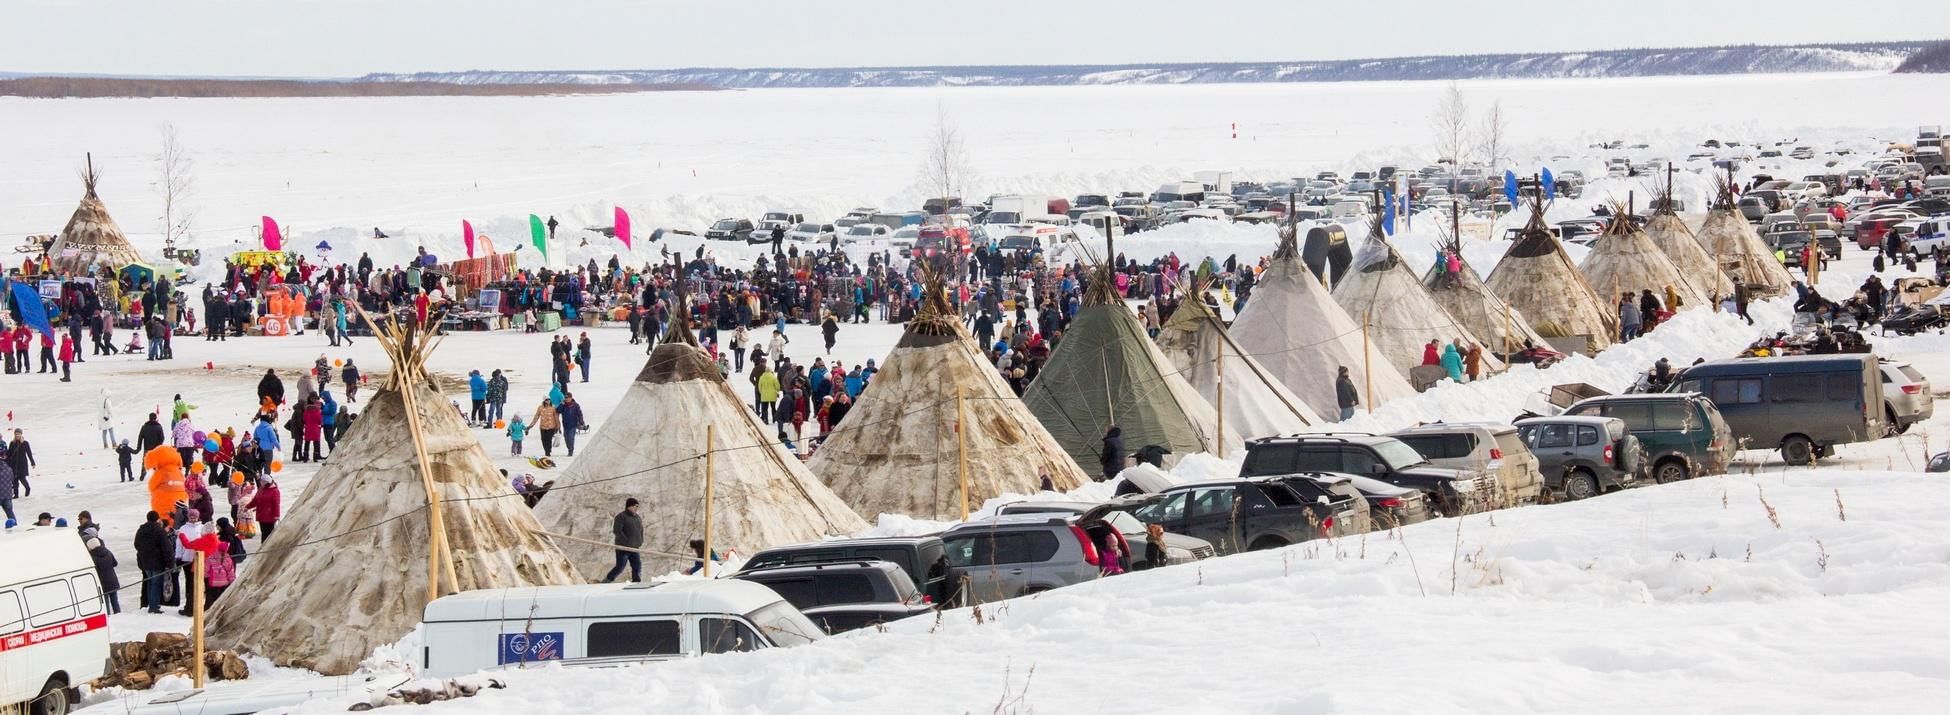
[353, 37]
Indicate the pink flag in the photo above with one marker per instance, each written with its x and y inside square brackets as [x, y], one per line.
[273, 241]
[467, 236]
[623, 226]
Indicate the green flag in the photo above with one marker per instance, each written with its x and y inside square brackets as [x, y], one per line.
[540, 234]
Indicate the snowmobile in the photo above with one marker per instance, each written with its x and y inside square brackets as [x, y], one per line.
[1913, 319]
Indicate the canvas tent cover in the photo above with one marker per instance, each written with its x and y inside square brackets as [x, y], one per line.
[1384, 293]
[1296, 330]
[1255, 404]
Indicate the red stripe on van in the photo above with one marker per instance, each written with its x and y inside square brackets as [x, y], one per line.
[53, 632]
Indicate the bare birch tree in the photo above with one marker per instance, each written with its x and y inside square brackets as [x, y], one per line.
[1451, 125]
[1493, 136]
[946, 168]
[174, 183]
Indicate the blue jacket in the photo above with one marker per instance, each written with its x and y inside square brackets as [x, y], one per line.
[854, 384]
[266, 436]
[476, 387]
[330, 410]
[1452, 363]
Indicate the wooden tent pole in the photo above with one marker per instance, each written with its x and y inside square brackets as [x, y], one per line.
[961, 445]
[197, 669]
[710, 472]
[1367, 362]
[1221, 403]
[440, 560]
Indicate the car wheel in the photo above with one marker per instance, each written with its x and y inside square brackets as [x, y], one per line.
[1266, 542]
[1580, 485]
[1797, 449]
[1890, 428]
[53, 699]
[1671, 470]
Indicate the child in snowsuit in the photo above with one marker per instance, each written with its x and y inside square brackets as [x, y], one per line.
[516, 431]
[125, 457]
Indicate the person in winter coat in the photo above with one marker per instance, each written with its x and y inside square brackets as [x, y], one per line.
[1345, 395]
[1155, 555]
[627, 530]
[179, 410]
[309, 450]
[571, 417]
[855, 382]
[350, 374]
[1649, 308]
[105, 419]
[6, 486]
[1629, 318]
[189, 535]
[155, 556]
[768, 393]
[1112, 454]
[104, 568]
[1473, 361]
[1452, 363]
[1432, 353]
[549, 423]
[271, 387]
[477, 388]
[267, 505]
[125, 460]
[307, 387]
[328, 415]
[829, 328]
[516, 431]
[582, 356]
[242, 492]
[183, 438]
[67, 358]
[266, 437]
[497, 396]
[20, 456]
[150, 436]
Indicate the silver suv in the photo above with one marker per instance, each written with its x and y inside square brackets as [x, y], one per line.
[1905, 396]
[1021, 554]
[1481, 448]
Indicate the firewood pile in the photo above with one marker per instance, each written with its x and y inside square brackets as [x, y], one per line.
[137, 665]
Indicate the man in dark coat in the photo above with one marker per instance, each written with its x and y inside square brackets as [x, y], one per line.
[20, 456]
[154, 554]
[1345, 395]
[1112, 456]
[271, 387]
[627, 528]
[104, 568]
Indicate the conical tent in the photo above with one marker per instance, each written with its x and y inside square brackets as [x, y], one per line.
[1255, 404]
[1384, 293]
[350, 572]
[652, 449]
[1106, 371]
[1538, 278]
[1738, 250]
[1473, 304]
[1672, 236]
[1295, 329]
[91, 237]
[899, 452]
[1625, 260]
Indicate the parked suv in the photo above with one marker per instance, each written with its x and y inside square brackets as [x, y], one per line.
[1179, 548]
[844, 596]
[1683, 433]
[923, 558]
[1583, 457]
[1021, 554]
[1255, 513]
[730, 229]
[1452, 491]
[1484, 447]
[1905, 396]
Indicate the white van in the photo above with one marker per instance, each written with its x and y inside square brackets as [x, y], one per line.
[605, 624]
[53, 625]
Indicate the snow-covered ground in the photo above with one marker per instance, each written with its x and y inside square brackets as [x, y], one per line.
[1680, 597]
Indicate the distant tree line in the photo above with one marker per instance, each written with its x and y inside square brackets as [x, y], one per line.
[87, 87]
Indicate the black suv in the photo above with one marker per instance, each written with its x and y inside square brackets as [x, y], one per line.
[923, 558]
[1250, 514]
[843, 596]
[1452, 491]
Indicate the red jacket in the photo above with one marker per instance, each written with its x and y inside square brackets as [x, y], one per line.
[67, 349]
[23, 338]
[1430, 356]
[267, 503]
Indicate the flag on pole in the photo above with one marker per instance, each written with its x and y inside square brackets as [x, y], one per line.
[1388, 212]
[32, 313]
[467, 236]
[539, 234]
[1550, 183]
[623, 226]
[1510, 186]
[273, 241]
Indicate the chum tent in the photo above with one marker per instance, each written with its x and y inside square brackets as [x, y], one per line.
[1382, 292]
[350, 572]
[1255, 404]
[1740, 252]
[652, 449]
[1476, 306]
[1537, 277]
[91, 237]
[1625, 260]
[1106, 371]
[1671, 234]
[899, 451]
[1293, 327]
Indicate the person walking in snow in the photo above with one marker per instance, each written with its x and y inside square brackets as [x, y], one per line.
[68, 357]
[497, 396]
[582, 356]
[7, 483]
[570, 415]
[1629, 318]
[125, 460]
[549, 423]
[267, 506]
[20, 456]
[477, 395]
[350, 375]
[516, 432]
[627, 531]
[105, 418]
[309, 448]
[1345, 395]
[831, 329]
[271, 388]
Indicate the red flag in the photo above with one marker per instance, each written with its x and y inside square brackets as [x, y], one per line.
[273, 241]
[623, 226]
[467, 236]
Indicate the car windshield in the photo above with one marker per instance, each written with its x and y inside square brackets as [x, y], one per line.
[725, 223]
[865, 229]
[785, 625]
[807, 227]
[1398, 455]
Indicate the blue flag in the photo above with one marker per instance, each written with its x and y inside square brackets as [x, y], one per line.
[1388, 212]
[1550, 183]
[1510, 186]
[28, 301]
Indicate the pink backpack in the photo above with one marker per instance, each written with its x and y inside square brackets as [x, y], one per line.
[220, 569]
